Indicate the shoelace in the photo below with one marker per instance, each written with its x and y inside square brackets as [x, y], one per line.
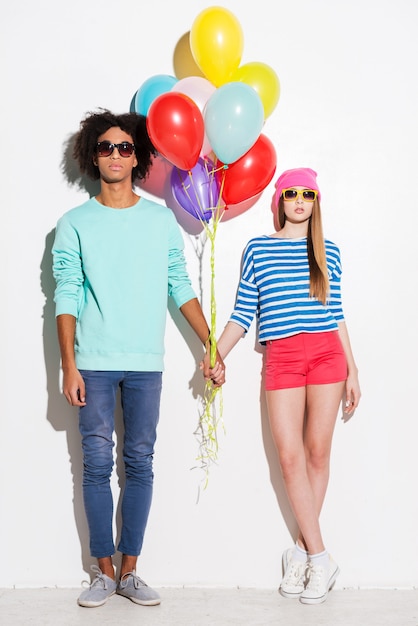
[137, 581]
[99, 579]
[316, 577]
[294, 573]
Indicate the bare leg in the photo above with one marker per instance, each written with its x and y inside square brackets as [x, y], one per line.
[321, 413]
[304, 453]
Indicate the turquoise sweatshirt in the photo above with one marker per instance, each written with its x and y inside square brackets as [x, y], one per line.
[114, 270]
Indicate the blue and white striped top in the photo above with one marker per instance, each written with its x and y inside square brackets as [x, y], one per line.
[274, 285]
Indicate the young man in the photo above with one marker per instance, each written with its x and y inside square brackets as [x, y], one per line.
[116, 258]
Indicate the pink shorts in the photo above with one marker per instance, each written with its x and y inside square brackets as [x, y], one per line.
[305, 359]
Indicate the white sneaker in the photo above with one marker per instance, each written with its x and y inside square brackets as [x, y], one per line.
[293, 583]
[320, 581]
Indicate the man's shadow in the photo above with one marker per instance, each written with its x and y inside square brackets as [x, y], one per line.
[61, 416]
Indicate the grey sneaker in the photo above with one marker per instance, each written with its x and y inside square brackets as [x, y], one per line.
[294, 572]
[134, 588]
[99, 590]
[320, 581]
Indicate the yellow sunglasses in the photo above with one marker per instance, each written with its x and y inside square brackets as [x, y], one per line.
[307, 194]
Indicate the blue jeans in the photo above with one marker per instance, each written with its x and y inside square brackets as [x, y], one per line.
[140, 399]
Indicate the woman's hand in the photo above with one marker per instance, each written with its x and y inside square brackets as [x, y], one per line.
[216, 373]
[352, 393]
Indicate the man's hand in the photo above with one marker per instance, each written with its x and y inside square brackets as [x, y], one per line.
[216, 373]
[74, 388]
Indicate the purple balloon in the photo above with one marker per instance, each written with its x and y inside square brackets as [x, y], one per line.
[196, 190]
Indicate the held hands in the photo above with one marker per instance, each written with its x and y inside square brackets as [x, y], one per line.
[216, 373]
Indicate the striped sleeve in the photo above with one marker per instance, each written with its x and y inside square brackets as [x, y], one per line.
[274, 286]
[246, 304]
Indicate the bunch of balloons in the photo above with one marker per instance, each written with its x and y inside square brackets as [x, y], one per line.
[210, 126]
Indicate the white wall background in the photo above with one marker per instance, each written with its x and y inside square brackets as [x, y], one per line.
[348, 108]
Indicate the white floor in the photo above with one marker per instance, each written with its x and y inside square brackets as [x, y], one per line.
[211, 607]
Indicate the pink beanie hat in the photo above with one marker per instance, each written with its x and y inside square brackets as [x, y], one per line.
[298, 177]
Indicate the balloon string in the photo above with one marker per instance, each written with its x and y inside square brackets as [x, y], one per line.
[209, 420]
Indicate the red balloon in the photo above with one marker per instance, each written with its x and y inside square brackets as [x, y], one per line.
[250, 174]
[176, 128]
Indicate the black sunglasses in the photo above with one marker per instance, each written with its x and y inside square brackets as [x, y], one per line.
[105, 148]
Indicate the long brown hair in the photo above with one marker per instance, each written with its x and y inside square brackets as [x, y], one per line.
[318, 270]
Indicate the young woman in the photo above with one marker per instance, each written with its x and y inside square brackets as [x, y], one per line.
[291, 281]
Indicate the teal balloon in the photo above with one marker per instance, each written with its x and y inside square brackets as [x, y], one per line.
[234, 119]
[150, 90]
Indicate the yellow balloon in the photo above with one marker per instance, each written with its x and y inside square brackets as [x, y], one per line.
[264, 80]
[217, 43]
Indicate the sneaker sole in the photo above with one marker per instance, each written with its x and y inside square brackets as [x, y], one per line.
[307, 600]
[90, 604]
[286, 594]
[142, 602]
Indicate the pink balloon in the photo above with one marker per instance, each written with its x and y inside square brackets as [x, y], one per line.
[199, 89]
